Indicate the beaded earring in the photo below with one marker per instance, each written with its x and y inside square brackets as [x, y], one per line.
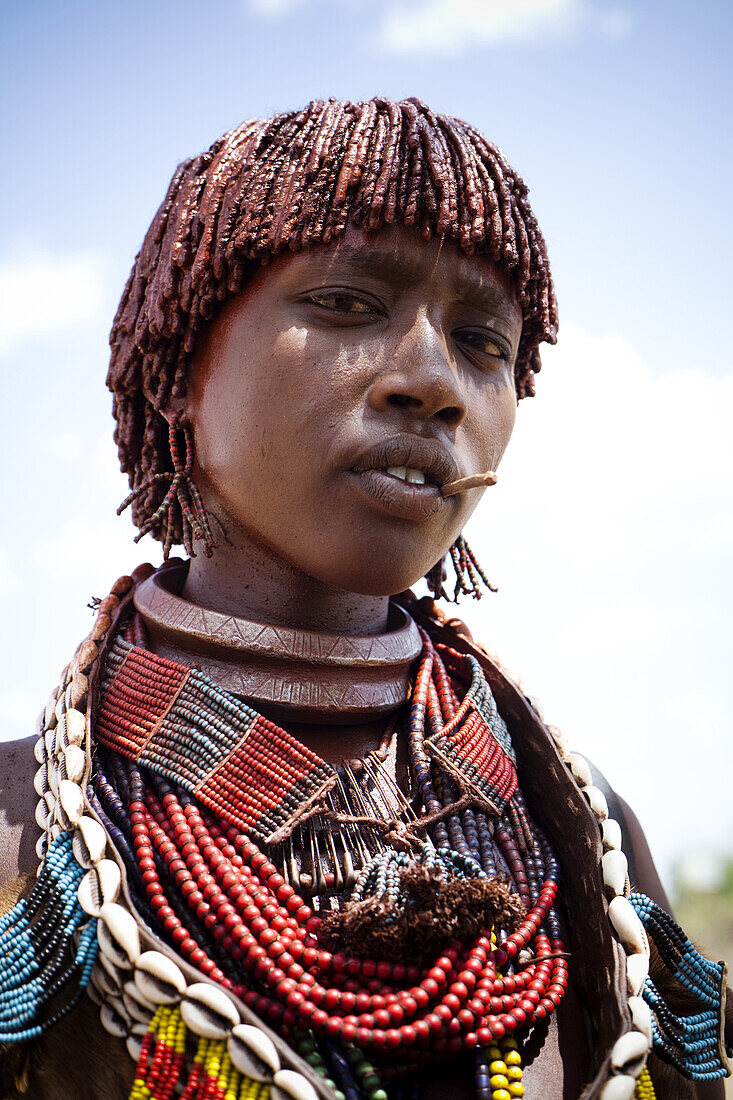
[469, 574]
[183, 492]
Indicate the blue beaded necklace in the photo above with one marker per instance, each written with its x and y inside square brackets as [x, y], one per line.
[40, 961]
[689, 1043]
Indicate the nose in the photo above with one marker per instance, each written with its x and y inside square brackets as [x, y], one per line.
[420, 378]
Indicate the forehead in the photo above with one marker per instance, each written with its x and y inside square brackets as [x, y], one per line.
[399, 255]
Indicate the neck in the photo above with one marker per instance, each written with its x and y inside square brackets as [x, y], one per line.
[245, 578]
[304, 675]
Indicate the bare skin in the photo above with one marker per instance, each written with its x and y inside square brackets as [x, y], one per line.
[389, 352]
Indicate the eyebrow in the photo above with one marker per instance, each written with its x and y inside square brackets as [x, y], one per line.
[372, 260]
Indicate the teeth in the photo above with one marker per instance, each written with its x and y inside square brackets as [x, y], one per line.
[404, 473]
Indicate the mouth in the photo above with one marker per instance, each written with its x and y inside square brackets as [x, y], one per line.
[403, 476]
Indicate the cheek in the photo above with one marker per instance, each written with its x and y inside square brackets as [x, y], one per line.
[492, 428]
[270, 421]
[240, 403]
[507, 420]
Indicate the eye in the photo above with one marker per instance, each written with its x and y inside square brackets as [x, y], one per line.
[487, 345]
[341, 301]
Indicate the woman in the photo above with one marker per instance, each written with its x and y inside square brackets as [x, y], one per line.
[300, 833]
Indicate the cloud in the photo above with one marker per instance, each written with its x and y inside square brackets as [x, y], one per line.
[42, 294]
[450, 27]
[273, 7]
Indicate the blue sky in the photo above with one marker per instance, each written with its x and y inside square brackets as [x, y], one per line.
[610, 532]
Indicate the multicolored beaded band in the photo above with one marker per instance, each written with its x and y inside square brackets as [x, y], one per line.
[177, 722]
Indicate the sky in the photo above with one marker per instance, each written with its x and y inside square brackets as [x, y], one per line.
[609, 534]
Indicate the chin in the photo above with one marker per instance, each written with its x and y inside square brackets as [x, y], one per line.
[377, 564]
[371, 581]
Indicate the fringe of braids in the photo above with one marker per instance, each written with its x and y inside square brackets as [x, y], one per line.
[290, 182]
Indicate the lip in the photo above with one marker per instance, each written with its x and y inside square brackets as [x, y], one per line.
[402, 498]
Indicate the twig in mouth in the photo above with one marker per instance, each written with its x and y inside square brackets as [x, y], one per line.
[463, 484]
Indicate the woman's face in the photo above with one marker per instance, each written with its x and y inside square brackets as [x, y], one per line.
[338, 392]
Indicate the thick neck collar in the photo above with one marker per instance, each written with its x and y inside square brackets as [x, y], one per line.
[332, 675]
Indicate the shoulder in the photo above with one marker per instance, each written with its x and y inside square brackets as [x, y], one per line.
[18, 829]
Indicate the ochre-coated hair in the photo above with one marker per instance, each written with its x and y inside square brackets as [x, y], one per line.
[290, 182]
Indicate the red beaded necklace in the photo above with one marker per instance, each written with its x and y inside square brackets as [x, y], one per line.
[221, 902]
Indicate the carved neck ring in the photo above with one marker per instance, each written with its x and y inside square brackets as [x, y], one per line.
[339, 677]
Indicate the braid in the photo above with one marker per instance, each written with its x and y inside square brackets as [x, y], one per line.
[291, 181]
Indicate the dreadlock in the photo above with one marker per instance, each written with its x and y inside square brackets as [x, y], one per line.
[290, 182]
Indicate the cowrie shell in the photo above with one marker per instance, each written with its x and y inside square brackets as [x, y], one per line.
[289, 1085]
[641, 1017]
[60, 707]
[108, 605]
[95, 996]
[89, 843]
[114, 977]
[100, 885]
[629, 1049]
[85, 656]
[118, 935]
[619, 1088]
[40, 780]
[75, 760]
[136, 1009]
[134, 1046]
[50, 714]
[41, 845]
[615, 868]
[580, 768]
[39, 750]
[77, 690]
[75, 727]
[611, 833]
[637, 972]
[45, 810]
[252, 1052]
[41, 722]
[114, 1019]
[158, 978]
[627, 925]
[49, 740]
[597, 801]
[105, 983]
[71, 800]
[53, 775]
[101, 625]
[207, 1011]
